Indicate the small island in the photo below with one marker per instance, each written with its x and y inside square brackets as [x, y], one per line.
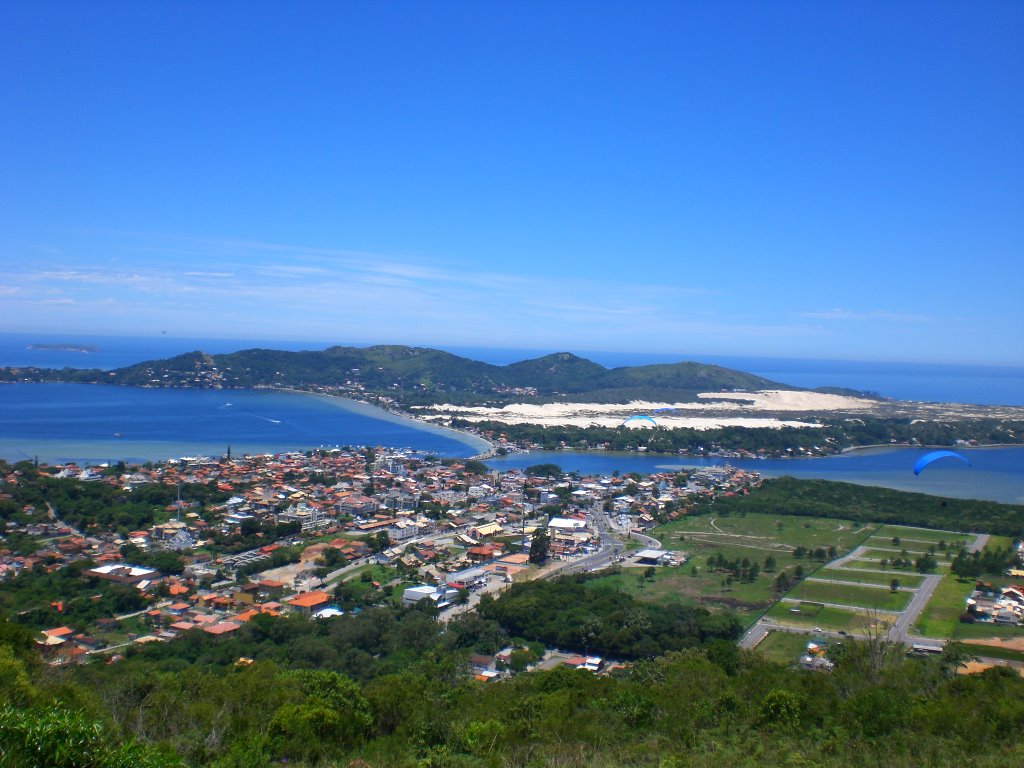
[86, 348]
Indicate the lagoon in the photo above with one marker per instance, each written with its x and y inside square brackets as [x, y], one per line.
[995, 474]
[92, 424]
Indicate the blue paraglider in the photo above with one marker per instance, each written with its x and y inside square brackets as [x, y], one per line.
[640, 418]
[928, 458]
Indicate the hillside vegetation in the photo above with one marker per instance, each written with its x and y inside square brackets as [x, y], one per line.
[867, 504]
[416, 375]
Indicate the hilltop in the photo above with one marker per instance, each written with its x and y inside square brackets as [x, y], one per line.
[417, 375]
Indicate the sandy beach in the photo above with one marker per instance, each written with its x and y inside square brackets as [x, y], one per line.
[733, 409]
[771, 409]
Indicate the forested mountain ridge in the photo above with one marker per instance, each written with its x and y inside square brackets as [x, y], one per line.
[416, 374]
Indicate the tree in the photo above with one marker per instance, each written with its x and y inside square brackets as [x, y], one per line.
[894, 585]
[799, 572]
[539, 546]
[769, 564]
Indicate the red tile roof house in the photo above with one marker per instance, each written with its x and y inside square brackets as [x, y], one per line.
[221, 629]
[309, 603]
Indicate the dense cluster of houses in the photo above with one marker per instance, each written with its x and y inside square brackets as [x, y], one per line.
[997, 605]
[442, 529]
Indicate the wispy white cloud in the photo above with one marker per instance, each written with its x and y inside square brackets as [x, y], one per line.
[886, 315]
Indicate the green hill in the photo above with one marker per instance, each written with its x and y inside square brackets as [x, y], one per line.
[417, 375]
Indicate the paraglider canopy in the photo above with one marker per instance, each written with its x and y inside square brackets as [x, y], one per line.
[640, 418]
[928, 458]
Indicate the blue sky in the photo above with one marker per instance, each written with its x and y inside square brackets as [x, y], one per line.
[836, 180]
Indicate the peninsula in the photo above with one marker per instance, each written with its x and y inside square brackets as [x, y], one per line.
[563, 400]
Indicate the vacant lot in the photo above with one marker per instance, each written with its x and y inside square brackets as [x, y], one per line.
[924, 536]
[783, 647]
[905, 579]
[750, 540]
[811, 615]
[844, 594]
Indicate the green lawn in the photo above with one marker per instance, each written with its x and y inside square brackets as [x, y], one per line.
[753, 537]
[993, 651]
[888, 553]
[922, 535]
[826, 618]
[911, 580]
[940, 616]
[782, 647]
[765, 532]
[860, 597]
[1000, 542]
[986, 632]
[873, 565]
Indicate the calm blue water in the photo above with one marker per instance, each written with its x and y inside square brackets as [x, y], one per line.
[981, 384]
[95, 423]
[996, 474]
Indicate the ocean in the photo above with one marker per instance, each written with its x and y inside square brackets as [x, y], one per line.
[979, 384]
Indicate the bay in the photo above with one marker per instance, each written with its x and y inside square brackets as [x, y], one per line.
[995, 474]
[92, 424]
[95, 423]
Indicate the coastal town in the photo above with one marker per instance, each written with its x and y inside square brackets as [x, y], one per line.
[329, 532]
[322, 534]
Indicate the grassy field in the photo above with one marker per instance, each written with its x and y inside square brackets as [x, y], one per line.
[917, 535]
[940, 616]
[888, 553]
[843, 594]
[986, 632]
[911, 580]
[754, 537]
[1000, 542]
[677, 584]
[873, 566]
[818, 616]
[769, 533]
[782, 647]
[993, 651]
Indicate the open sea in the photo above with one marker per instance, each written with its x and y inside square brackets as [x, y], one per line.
[92, 424]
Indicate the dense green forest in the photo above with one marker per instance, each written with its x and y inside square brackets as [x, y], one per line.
[192, 703]
[868, 504]
[568, 615]
[831, 437]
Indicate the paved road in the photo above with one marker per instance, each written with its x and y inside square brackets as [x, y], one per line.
[853, 554]
[898, 633]
[979, 543]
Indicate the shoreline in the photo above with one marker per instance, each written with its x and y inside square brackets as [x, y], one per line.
[402, 416]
